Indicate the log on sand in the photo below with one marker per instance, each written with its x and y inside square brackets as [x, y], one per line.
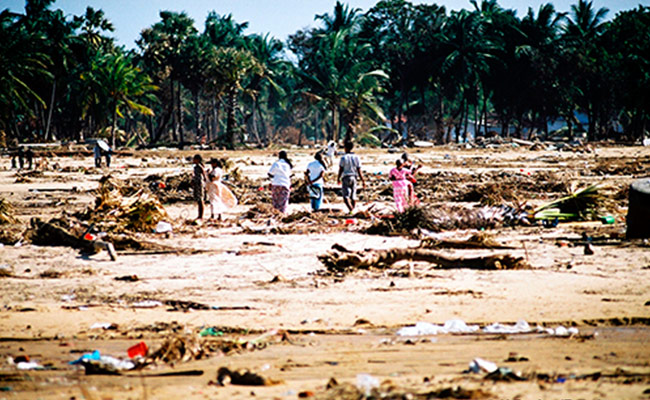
[340, 259]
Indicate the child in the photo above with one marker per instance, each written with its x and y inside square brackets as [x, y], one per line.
[198, 183]
[219, 196]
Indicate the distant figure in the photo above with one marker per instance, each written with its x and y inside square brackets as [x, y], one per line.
[315, 180]
[280, 174]
[349, 170]
[219, 196]
[20, 156]
[402, 188]
[102, 149]
[198, 184]
[29, 156]
[330, 152]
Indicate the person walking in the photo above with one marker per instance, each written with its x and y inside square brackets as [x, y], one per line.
[314, 175]
[280, 174]
[349, 171]
[102, 149]
[402, 189]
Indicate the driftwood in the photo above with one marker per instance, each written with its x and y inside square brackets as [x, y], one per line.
[340, 259]
[478, 241]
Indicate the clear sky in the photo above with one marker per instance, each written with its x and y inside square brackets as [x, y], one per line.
[278, 17]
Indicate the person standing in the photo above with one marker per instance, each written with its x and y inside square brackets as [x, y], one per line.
[280, 174]
[219, 196]
[102, 149]
[413, 169]
[330, 152]
[198, 184]
[349, 171]
[314, 175]
[402, 190]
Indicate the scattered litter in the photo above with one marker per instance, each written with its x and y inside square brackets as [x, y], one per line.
[504, 374]
[366, 383]
[459, 326]
[127, 278]
[29, 366]
[138, 350]
[97, 364]
[481, 365]
[425, 328]
[559, 331]
[103, 325]
[520, 327]
[211, 331]
[6, 270]
[226, 376]
[147, 304]
[163, 227]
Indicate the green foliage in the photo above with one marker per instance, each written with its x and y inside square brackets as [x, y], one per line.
[426, 71]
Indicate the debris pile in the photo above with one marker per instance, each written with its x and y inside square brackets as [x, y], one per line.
[6, 213]
[139, 212]
[414, 220]
[583, 204]
[389, 390]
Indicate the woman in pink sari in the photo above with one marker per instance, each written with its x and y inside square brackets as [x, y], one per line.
[402, 189]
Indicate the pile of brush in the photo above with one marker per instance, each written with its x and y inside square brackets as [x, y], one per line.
[579, 205]
[113, 211]
[262, 211]
[6, 213]
[416, 219]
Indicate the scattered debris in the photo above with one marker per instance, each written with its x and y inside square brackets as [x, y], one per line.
[459, 326]
[127, 278]
[342, 260]
[225, 376]
[6, 213]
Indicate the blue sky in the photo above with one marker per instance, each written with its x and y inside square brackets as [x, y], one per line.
[278, 17]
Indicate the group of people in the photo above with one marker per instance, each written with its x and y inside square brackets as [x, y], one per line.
[208, 183]
[349, 176]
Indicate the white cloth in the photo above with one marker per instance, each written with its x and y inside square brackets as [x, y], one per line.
[350, 163]
[315, 168]
[281, 173]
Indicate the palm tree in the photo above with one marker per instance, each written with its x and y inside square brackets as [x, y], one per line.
[22, 62]
[469, 53]
[227, 69]
[267, 84]
[161, 45]
[119, 84]
[585, 59]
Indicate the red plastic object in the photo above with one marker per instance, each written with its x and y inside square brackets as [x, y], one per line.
[89, 236]
[162, 185]
[139, 349]
[350, 221]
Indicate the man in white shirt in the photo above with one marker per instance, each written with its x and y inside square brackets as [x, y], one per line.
[314, 177]
[349, 170]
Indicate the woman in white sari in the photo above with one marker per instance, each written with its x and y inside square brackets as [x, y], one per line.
[220, 197]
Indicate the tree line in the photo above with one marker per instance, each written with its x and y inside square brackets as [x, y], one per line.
[396, 68]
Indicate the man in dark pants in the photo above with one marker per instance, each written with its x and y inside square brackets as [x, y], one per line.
[349, 170]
